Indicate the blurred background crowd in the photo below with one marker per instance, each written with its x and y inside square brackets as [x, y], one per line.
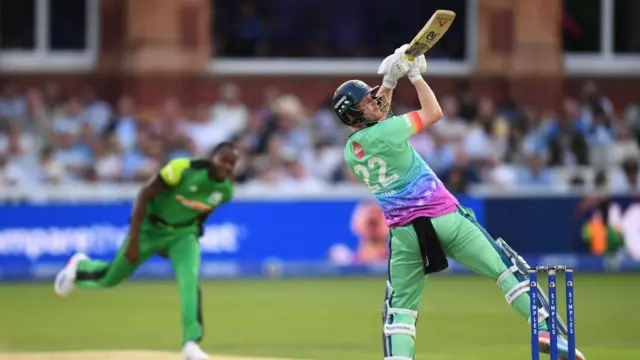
[51, 137]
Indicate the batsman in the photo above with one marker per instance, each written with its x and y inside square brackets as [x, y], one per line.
[427, 224]
[168, 218]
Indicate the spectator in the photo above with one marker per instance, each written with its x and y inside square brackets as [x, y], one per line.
[457, 180]
[451, 127]
[600, 131]
[566, 141]
[283, 145]
[38, 121]
[535, 174]
[252, 133]
[51, 171]
[289, 123]
[229, 115]
[529, 135]
[591, 100]
[244, 167]
[327, 126]
[271, 160]
[296, 177]
[443, 156]
[423, 143]
[125, 125]
[97, 112]
[143, 163]
[12, 104]
[12, 137]
[600, 180]
[487, 138]
[53, 98]
[626, 179]
[468, 105]
[204, 133]
[170, 128]
[10, 173]
[70, 120]
[72, 154]
[322, 160]
[107, 162]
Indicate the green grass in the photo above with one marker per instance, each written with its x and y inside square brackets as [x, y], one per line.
[333, 319]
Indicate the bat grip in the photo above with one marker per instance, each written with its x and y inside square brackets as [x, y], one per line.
[409, 57]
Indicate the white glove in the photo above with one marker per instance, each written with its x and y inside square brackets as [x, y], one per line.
[417, 67]
[394, 67]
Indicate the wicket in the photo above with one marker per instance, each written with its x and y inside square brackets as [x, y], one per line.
[553, 310]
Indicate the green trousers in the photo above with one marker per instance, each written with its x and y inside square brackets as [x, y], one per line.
[462, 239]
[183, 250]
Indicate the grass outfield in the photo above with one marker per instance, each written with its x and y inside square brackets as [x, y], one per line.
[462, 317]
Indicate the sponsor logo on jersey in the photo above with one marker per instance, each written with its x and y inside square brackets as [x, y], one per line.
[215, 198]
[358, 150]
[194, 205]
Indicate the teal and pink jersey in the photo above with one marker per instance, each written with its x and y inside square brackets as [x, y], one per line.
[402, 182]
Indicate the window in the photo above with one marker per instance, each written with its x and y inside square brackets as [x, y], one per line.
[17, 19]
[601, 36]
[48, 35]
[68, 25]
[581, 26]
[330, 36]
[626, 30]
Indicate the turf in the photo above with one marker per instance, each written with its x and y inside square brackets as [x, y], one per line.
[462, 317]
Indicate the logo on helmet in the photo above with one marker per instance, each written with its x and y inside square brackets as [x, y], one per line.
[358, 150]
[360, 84]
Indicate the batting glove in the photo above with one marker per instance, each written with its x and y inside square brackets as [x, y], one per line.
[394, 67]
[417, 67]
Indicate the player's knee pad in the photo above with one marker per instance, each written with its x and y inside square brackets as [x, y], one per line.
[517, 266]
[520, 289]
[517, 269]
[399, 328]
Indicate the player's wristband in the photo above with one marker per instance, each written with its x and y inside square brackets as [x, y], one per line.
[415, 77]
[389, 83]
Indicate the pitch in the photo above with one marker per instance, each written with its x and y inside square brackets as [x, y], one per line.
[329, 319]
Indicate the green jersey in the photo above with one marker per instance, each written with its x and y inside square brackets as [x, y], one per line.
[402, 182]
[190, 194]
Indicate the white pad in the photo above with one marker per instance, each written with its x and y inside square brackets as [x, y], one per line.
[512, 270]
[542, 315]
[394, 329]
[402, 311]
[398, 358]
[516, 291]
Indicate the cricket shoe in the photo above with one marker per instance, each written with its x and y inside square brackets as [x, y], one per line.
[544, 339]
[63, 284]
[191, 351]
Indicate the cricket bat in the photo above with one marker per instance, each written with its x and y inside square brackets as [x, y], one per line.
[430, 34]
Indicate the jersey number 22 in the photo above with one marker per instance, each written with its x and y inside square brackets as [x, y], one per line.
[381, 165]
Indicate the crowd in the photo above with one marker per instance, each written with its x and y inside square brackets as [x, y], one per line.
[46, 138]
